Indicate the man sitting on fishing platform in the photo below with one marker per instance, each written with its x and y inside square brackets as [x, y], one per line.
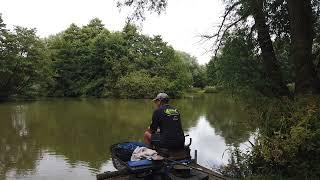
[165, 130]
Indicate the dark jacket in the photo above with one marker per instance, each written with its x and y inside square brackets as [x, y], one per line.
[167, 118]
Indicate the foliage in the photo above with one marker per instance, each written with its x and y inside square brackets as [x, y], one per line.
[141, 85]
[288, 140]
[275, 38]
[287, 144]
[23, 61]
[236, 67]
[293, 146]
[140, 6]
[198, 72]
[237, 164]
[91, 61]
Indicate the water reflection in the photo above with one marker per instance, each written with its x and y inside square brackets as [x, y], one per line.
[70, 138]
[210, 146]
[18, 120]
[229, 120]
[17, 150]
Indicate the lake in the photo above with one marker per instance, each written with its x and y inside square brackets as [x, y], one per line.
[70, 138]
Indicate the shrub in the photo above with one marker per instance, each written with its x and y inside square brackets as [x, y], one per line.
[141, 85]
[288, 143]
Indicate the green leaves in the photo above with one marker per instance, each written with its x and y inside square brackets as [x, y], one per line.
[22, 63]
[141, 6]
[198, 73]
[91, 61]
[140, 85]
[236, 67]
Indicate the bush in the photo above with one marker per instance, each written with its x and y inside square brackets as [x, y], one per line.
[288, 142]
[141, 85]
[291, 142]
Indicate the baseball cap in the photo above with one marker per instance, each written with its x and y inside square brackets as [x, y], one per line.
[161, 96]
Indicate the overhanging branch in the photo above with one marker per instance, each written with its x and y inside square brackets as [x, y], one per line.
[219, 39]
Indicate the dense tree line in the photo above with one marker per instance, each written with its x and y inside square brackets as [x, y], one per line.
[92, 61]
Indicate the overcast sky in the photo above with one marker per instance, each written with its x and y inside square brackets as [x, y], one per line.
[180, 25]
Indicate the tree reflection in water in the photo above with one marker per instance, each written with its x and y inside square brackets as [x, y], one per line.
[18, 151]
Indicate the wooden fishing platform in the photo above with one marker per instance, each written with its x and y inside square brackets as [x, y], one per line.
[212, 175]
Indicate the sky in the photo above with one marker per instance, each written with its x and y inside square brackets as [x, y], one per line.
[180, 25]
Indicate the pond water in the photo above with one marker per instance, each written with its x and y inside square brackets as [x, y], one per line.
[70, 138]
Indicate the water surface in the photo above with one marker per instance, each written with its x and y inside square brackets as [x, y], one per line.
[70, 138]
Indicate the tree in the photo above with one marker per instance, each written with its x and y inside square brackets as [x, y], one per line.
[2, 30]
[198, 72]
[247, 8]
[77, 61]
[22, 64]
[140, 6]
[236, 16]
[280, 21]
[91, 61]
[271, 65]
[237, 67]
[140, 85]
[302, 34]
